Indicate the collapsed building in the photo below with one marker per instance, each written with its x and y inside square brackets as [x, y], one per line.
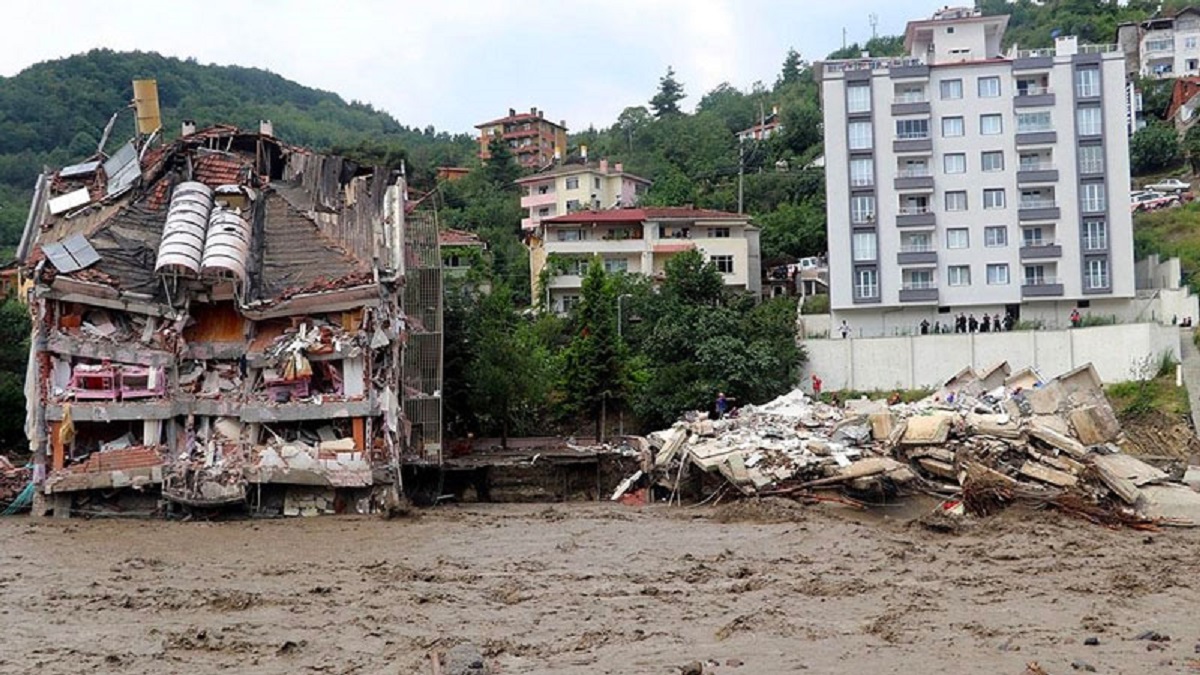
[227, 318]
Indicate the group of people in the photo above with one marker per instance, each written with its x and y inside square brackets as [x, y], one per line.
[967, 323]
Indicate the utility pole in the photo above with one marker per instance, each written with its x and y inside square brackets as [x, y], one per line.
[741, 171]
[874, 19]
[843, 37]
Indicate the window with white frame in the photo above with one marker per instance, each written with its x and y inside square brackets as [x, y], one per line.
[862, 172]
[912, 129]
[1028, 122]
[859, 135]
[955, 162]
[916, 242]
[918, 279]
[571, 235]
[952, 126]
[958, 275]
[1094, 198]
[989, 87]
[723, 263]
[1189, 43]
[1035, 275]
[956, 201]
[573, 205]
[866, 283]
[1095, 235]
[990, 125]
[1091, 159]
[718, 233]
[997, 274]
[995, 236]
[1088, 121]
[1160, 45]
[991, 160]
[993, 198]
[1096, 273]
[613, 265]
[951, 90]
[1087, 82]
[1032, 236]
[573, 183]
[862, 209]
[865, 247]
[958, 237]
[858, 98]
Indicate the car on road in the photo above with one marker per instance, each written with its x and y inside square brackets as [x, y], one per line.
[1149, 200]
[1169, 185]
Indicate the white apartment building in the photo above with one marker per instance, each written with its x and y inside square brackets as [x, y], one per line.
[1164, 46]
[569, 187]
[640, 241]
[960, 179]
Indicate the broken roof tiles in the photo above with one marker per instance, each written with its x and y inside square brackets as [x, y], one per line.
[215, 170]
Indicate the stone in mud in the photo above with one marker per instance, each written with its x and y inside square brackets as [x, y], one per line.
[464, 659]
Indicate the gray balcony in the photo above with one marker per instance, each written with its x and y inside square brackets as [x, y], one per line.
[914, 107]
[1040, 97]
[1036, 137]
[920, 144]
[1041, 288]
[916, 256]
[1037, 173]
[1042, 209]
[1036, 250]
[914, 179]
[915, 216]
[909, 70]
[1034, 59]
[919, 292]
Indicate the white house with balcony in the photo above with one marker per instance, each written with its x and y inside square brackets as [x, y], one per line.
[1163, 46]
[571, 187]
[639, 241]
[963, 179]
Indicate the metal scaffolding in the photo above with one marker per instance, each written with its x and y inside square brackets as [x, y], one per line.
[421, 372]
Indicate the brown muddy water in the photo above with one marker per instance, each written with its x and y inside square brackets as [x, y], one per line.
[746, 588]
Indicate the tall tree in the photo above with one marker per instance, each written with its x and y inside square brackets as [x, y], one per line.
[595, 370]
[501, 169]
[670, 93]
[506, 374]
[792, 70]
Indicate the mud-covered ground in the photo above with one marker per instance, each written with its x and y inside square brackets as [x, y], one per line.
[598, 588]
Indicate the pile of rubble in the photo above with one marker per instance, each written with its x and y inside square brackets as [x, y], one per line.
[983, 441]
[13, 481]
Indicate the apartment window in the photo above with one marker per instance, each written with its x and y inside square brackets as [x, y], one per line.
[596, 183]
[992, 160]
[990, 125]
[916, 242]
[1189, 43]
[1093, 198]
[573, 205]
[997, 274]
[544, 190]
[1091, 159]
[995, 236]
[1096, 273]
[1033, 121]
[570, 235]
[866, 283]
[862, 209]
[1095, 235]
[865, 247]
[862, 172]
[951, 90]
[1087, 82]
[1160, 45]
[989, 87]
[569, 302]
[858, 98]
[1032, 236]
[723, 263]
[918, 279]
[544, 212]
[958, 237]
[860, 135]
[952, 126]
[993, 198]
[954, 163]
[912, 129]
[1088, 121]
[573, 183]
[958, 275]
[956, 201]
[616, 265]
[1035, 275]
[718, 233]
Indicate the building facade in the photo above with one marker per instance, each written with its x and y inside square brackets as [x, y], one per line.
[1164, 46]
[534, 140]
[962, 179]
[573, 187]
[639, 241]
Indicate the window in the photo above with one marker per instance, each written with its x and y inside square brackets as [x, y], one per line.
[916, 242]
[956, 201]
[866, 283]
[918, 279]
[989, 87]
[954, 163]
[545, 189]
[862, 209]
[1093, 198]
[951, 90]
[1096, 275]
[865, 247]
[1088, 121]
[993, 198]
[1095, 235]
[616, 265]
[910, 93]
[568, 303]
[1189, 43]
[1091, 159]
[995, 236]
[718, 233]
[912, 129]
[958, 275]
[570, 235]
[952, 126]
[723, 263]
[862, 172]
[860, 135]
[1191, 64]
[958, 237]
[997, 274]
[573, 183]
[858, 98]
[1033, 121]
[990, 125]
[1032, 236]
[1087, 82]
[596, 183]
[1035, 275]
[544, 211]
[573, 205]
[991, 160]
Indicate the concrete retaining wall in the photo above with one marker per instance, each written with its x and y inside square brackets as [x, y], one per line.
[911, 362]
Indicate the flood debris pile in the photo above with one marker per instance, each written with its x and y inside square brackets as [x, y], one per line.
[983, 441]
[13, 481]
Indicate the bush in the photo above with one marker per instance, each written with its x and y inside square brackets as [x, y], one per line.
[1036, 324]
[816, 304]
[1154, 147]
[1098, 320]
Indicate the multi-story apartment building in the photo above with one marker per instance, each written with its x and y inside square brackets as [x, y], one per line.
[640, 241]
[962, 179]
[534, 139]
[1163, 46]
[573, 187]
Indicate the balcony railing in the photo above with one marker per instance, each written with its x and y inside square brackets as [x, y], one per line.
[1041, 281]
[1051, 51]
[1039, 241]
[914, 173]
[916, 248]
[1034, 128]
[871, 64]
[1094, 206]
[1034, 91]
[911, 97]
[1091, 167]
[863, 218]
[1087, 90]
[1035, 53]
[913, 210]
[918, 285]
[1038, 204]
[1099, 48]
[913, 136]
[1036, 166]
[1095, 243]
[862, 181]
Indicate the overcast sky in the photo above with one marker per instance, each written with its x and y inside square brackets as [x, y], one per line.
[456, 63]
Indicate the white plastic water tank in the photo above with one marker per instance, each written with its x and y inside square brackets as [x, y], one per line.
[183, 235]
[227, 248]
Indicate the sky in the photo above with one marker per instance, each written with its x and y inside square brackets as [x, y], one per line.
[456, 63]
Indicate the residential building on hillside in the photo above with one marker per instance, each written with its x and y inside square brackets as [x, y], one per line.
[960, 179]
[571, 187]
[535, 140]
[763, 128]
[639, 241]
[1162, 46]
[463, 252]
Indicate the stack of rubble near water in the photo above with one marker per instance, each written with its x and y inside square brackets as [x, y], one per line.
[13, 480]
[985, 440]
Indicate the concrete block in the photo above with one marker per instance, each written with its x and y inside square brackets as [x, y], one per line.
[1175, 504]
[1047, 475]
[1001, 426]
[121, 479]
[1045, 433]
[881, 425]
[1095, 424]
[927, 430]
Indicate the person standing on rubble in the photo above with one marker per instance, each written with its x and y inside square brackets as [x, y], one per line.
[816, 385]
[722, 405]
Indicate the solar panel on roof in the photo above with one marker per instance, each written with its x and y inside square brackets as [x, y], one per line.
[70, 254]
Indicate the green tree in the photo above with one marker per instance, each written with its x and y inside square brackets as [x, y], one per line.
[793, 231]
[631, 121]
[1190, 148]
[792, 70]
[670, 93]
[500, 169]
[595, 370]
[14, 354]
[1154, 147]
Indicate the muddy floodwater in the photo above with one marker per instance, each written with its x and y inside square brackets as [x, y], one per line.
[599, 588]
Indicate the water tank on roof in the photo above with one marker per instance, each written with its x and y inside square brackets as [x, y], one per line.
[228, 246]
[183, 235]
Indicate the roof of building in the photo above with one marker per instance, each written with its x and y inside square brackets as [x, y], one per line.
[569, 168]
[1184, 90]
[644, 214]
[951, 15]
[451, 237]
[519, 117]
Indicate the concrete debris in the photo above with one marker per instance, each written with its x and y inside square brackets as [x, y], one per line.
[981, 439]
